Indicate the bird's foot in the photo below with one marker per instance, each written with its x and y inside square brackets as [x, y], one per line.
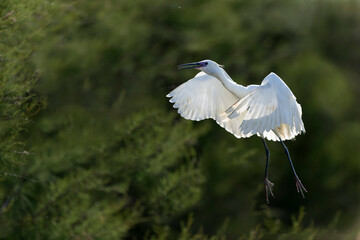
[268, 188]
[299, 186]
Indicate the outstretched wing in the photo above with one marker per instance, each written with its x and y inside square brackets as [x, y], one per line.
[204, 97]
[269, 110]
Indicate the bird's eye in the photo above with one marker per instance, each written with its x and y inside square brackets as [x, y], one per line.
[206, 63]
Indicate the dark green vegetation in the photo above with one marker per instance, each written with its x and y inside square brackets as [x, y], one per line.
[91, 149]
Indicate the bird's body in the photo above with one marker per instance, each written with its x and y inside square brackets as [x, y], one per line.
[268, 110]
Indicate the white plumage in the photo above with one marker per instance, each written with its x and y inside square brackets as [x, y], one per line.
[269, 110]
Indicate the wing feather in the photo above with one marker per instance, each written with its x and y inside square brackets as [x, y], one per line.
[270, 110]
[204, 97]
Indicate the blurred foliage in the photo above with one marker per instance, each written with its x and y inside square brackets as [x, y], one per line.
[91, 149]
[18, 103]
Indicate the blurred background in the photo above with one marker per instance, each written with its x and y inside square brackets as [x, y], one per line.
[92, 149]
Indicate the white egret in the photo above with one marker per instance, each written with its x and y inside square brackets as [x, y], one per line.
[268, 110]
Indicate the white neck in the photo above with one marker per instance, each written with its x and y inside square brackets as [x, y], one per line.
[236, 89]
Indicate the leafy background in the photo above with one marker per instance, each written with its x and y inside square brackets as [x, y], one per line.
[91, 149]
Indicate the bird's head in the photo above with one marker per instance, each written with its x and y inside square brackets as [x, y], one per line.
[207, 66]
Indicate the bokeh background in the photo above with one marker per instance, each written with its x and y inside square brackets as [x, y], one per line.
[90, 148]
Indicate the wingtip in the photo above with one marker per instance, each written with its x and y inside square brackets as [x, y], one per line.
[272, 74]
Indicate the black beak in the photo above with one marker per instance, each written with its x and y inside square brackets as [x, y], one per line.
[191, 65]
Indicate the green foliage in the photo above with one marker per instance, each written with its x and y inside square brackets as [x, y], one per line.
[18, 103]
[90, 148]
[103, 190]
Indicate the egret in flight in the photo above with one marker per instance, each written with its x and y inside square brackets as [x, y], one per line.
[268, 110]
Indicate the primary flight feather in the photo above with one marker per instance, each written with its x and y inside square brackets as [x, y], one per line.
[268, 110]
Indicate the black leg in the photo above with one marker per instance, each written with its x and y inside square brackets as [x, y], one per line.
[268, 184]
[267, 157]
[299, 186]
